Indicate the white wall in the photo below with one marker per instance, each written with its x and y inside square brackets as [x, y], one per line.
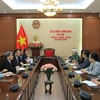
[62, 47]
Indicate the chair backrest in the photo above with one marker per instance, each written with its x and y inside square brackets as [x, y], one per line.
[49, 52]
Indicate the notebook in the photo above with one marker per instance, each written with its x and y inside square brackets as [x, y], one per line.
[78, 72]
[89, 83]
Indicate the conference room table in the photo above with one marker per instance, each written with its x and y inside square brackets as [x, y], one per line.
[28, 85]
[94, 91]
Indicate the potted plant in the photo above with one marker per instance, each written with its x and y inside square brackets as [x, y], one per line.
[48, 69]
[35, 45]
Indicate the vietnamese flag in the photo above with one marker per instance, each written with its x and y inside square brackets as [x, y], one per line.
[21, 39]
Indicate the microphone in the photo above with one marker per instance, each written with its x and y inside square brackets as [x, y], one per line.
[85, 95]
[71, 75]
[77, 84]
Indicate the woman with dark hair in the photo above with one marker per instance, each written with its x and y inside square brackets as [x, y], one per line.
[94, 68]
[25, 56]
[86, 62]
[81, 57]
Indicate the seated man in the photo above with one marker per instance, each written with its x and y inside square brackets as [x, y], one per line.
[75, 57]
[5, 74]
[94, 68]
[86, 62]
[8, 64]
[17, 60]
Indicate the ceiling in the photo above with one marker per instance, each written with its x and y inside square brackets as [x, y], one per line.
[66, 5]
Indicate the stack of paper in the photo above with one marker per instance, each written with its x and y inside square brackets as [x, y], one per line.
[26, 64]
[21, 68]
[66, 61]
[78, 72]
[74, 67]
[72, 64]
[89, 83]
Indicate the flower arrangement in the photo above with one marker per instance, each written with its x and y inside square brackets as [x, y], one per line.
[48, 69]
[35, 45]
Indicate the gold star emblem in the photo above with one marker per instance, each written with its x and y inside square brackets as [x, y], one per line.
[21, 40]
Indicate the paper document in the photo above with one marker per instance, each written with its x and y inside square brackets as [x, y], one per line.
[89, 83]
[66, 61]
[74, 67]
[21, 68]
[72, 64]
[78, 72]
[26, 64]
[30, 60]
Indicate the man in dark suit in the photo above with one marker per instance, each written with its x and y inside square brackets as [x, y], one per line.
[8, 64]
[17, 60]
[86, 62]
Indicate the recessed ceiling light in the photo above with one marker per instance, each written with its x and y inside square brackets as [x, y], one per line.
[93, 11]
[4, 11]
[26, 11]
[71, 11]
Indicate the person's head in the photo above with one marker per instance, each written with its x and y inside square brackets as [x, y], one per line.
[9, 55]
[74, 51]
[82, 52]
[25, 51]
[17, 52]
[85, 54]
[93, 57]
[21, 51]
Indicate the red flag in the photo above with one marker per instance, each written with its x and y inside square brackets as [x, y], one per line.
[21, 39]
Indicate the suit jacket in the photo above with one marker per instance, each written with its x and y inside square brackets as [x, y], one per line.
[85, 64]
[94, 69]
[1, 63]
[7, 65]
[24, 57]
[99, 77]
[81, 60]
[15, 62]
[1, 67]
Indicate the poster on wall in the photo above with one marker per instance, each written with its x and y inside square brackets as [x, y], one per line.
[60, 34]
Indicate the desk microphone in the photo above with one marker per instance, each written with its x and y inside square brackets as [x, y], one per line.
[71, 75]
[77, 84]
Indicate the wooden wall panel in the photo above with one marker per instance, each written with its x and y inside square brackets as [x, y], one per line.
[7, 34]
[92, 34]
[39, 15]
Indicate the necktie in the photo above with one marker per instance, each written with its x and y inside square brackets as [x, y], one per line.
[17, 59]
[10, 63]
[21, 57]
[92, 68]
